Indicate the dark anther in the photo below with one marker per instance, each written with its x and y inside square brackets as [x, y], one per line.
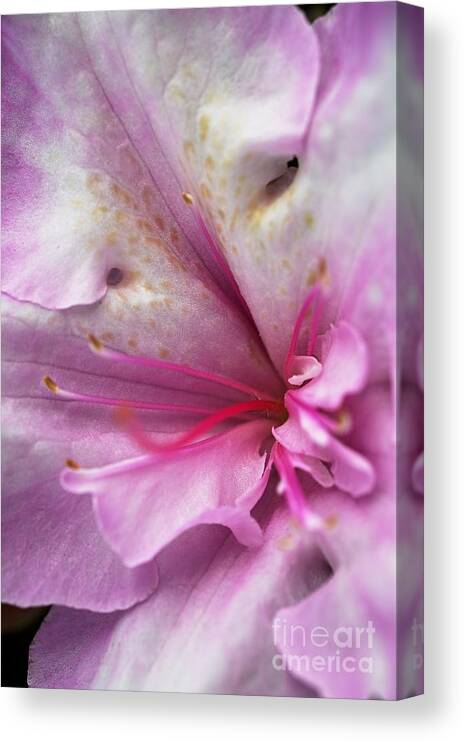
[114, 276]
[276, 187]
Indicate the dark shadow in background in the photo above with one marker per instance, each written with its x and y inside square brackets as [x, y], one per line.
[312, 12]
[19, 626]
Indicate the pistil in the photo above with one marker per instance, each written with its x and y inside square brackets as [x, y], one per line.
[312, 298]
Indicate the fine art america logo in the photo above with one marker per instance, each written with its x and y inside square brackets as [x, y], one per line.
[346, 649]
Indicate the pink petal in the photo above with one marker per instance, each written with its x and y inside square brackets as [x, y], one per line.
[313, 466]
[102, 194]
[358, 47]
[52, 551]
[304, 434]
[357, 526]
[343, 197]
[294, 438]
[303, 368]
[144, 503]
[374, 546]
[359, 544]
[341, 205]
[418, 474]
[374, 421]
[344, 369]
[239, 122]
[389, 254]
[315, 432]
[352, 472]
[207, 582]
[39, 342]
[89, 167]
[207, 629]
[341, 640]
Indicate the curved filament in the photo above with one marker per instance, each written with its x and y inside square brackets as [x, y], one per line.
[198, 430]
[115, 355]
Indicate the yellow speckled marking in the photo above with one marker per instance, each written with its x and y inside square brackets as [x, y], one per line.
[111, 239]
[331, 521]
[285, 543]
[319, 273]
[205, 191]
[174, 236]
[188, 148]
[309, 219]
[107, 337]
[160, 223]
[204, 123]
[122, 195]
[100, 211]
[93, 181]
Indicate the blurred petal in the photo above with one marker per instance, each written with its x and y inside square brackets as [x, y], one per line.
[314, 467]
[353, 615]
[360, 635]
[210, 588]
[352, 472]
[337, 218]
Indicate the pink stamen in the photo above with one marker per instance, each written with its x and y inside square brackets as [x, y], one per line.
[198, 430]
[115, 355]
[112, 402]
[290, 487]
[312, 296]
[315, 321]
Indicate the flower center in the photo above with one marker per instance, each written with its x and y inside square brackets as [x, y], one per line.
[298, 371]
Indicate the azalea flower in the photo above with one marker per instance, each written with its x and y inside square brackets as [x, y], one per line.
[200, 349]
